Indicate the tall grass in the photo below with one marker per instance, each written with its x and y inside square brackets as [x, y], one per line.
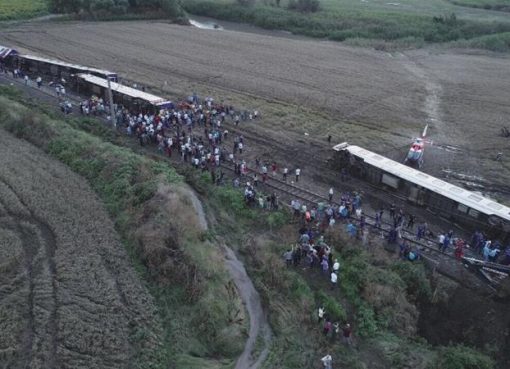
[498, 5]
[497, 43]
[341, 26]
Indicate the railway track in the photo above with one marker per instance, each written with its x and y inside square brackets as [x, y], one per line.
[311, 198]
[291, 191]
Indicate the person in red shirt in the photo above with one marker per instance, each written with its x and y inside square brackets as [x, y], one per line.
[459, 249]
[347, 334]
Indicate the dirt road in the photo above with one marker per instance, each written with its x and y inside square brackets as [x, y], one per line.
[68, 295]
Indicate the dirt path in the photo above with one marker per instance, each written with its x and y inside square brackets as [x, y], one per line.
[259, 326]
[258, 322]
[432, 103]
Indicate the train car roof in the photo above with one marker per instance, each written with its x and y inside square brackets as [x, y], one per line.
[456, 193]
[126, 90]
[68, 65]
[5, 52]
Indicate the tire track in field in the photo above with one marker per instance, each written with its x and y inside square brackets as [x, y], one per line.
[39, 340]
[432, 103]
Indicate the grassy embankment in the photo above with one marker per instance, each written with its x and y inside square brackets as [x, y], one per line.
[202, 321]
[376, 294]
[22, 9]
[497, 5]
[369, 24]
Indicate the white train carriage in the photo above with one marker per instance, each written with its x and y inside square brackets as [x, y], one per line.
[459, 204]
[53, 67]
[125, 95]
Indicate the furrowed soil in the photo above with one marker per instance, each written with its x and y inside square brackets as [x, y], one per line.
[69, 297]
[371, 98]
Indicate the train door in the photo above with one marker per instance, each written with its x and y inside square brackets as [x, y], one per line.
[413, 194]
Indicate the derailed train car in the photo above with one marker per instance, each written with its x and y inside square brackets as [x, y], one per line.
[459, 205]
[126, 96]
[55, 68]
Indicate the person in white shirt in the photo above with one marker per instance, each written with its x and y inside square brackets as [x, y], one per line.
[298, 173]
[327, 361]
[321, 313]
[441, 241]
[334, 279]
[336, 266]
[330, 194]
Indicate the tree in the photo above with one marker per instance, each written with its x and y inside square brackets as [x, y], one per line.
[305, 6]
[246, 2]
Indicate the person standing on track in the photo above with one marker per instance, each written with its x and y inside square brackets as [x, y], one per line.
[298, 173]
[330, 194]
[273, 168]
[392, 210]
[410, 223]
[285, 172]
[264, 173]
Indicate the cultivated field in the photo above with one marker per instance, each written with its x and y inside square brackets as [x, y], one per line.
[68, 296]
[375, 99]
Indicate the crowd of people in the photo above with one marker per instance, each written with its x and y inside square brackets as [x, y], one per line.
[173, 130]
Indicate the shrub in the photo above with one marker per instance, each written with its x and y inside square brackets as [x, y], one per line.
[461, 357]
[415, 278]
[366, 321]
[334, 310]
[304, 6]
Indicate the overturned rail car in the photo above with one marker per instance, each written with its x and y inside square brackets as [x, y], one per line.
[124, 95]
[458, 204]
[49, 67]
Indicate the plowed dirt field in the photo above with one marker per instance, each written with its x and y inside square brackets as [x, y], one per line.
[68, 295]
[375, 99]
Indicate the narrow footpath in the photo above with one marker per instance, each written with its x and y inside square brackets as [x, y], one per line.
[251, 358]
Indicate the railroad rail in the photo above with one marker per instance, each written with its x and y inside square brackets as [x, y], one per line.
[312, 199]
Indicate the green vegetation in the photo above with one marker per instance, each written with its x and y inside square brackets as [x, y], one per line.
[199, 311]
[499, 5]
[461, 357]
[345, 21]
[113, 9]
[22, 9]
[498, 43]
[202, 323]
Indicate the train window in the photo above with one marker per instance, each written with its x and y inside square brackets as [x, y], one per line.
[495, 206]
[462, 208]
[439, 183]
[475, 197]
[474, 213]
[390, 180]
[455, 189]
